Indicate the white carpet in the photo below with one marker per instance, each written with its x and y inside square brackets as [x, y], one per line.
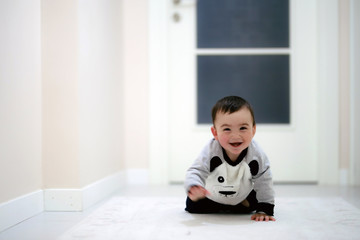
[157, 218]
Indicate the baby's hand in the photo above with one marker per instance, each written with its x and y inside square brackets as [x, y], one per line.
[259, 217]
[197, 192]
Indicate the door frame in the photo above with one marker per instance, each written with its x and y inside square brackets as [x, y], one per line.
[328, 94]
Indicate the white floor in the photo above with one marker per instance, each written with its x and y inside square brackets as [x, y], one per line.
[51, 225]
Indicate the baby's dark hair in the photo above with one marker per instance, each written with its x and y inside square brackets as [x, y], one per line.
[231, 104]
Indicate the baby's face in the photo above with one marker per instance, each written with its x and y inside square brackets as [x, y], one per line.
[234, 131]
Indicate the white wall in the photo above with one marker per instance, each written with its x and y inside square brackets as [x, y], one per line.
[355, 90]
[344, 91]
[20, 98]
[60, 94]
[328, 94]
[136, 85]
[82, 89]
[100, 89]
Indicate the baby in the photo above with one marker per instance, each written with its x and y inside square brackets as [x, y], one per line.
[232, 173]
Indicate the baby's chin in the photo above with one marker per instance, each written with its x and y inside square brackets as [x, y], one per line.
[234, 153]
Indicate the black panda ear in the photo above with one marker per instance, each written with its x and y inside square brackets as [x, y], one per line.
[214, 163]
[254, 167]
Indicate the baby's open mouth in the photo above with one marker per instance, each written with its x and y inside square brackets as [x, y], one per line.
[236, 144]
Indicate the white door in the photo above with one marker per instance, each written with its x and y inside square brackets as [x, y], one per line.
[291, 147]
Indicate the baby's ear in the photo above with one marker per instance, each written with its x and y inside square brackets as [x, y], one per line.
[214, 163]
[214, 132]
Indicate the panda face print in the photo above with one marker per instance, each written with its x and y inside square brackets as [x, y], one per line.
[221, 179]
[226, 191]
[225, 181]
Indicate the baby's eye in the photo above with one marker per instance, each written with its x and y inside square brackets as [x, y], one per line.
[243, 128]
[226, 129]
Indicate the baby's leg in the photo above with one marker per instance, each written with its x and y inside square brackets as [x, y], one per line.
[248, 205]
[245, 203]
[204, 205]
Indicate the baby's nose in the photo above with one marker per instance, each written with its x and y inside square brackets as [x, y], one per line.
[236, 134]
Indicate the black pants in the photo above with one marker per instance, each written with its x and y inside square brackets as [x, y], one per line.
[206, 205]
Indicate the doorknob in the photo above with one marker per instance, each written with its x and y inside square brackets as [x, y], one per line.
[176, 17]
[184, 3]
[181, 3]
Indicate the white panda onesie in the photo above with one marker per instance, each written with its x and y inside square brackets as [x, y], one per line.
[231, 182]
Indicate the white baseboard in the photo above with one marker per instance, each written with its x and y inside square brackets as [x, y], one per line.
[24, 207]
[99, 190]
[20, 209]
[66, 200]
[80, 199]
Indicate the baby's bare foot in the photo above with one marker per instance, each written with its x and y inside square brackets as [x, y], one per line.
[245, 203]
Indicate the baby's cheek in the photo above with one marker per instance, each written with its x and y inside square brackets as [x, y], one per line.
[223, 139]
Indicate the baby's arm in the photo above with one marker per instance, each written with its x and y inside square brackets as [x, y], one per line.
[263, 187]
[196, 176]
[197, 192]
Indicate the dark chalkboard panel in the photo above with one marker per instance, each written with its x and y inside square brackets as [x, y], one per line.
[242, 23]
[261, 79]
